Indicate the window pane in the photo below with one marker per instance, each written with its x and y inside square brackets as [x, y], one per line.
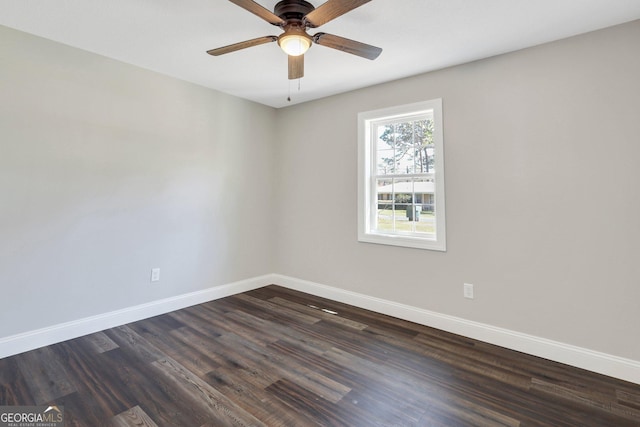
[395, 198]
[403, 190]
[385, 162]
[401, 219]
[405, 210]
[424, 192]
[424, 204]
[384, 191]
[405, 159]
[384, 218]
[423, 136]
[402, 138]
[385, 137]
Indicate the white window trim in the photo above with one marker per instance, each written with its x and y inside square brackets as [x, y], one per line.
[366, 164]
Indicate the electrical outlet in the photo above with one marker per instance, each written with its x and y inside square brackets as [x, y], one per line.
[468, 290]
[155, 274]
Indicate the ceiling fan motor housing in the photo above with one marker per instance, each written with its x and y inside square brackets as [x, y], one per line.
[293, 10]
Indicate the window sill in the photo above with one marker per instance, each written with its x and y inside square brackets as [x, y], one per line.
[403, 241]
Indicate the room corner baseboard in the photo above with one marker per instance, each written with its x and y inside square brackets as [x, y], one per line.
[31, 340]
[602, 363]
[606, 364]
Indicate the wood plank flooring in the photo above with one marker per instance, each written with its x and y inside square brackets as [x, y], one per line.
[277, 357]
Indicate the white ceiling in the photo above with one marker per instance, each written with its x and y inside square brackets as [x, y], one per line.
[417, 36]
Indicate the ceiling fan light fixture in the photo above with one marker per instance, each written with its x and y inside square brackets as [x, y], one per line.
[294, 43]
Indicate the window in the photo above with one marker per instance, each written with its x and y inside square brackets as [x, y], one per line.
[401, 176]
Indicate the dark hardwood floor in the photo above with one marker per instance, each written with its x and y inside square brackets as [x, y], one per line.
[276, 357]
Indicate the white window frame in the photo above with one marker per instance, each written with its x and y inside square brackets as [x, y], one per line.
[367, 174]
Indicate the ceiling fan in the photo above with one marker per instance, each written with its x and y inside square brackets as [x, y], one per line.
[295, 17]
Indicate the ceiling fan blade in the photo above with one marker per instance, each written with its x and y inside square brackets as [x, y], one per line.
[296, 67]
[346, 45]
[260, 11]
[331, 10]
[242, 45]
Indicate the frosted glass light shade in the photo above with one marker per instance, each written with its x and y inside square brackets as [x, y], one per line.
[294, 44]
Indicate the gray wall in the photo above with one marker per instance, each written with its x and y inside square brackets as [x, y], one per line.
[108, 170]
[542, 184]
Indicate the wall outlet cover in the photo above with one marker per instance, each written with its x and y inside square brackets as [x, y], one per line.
[468, 290]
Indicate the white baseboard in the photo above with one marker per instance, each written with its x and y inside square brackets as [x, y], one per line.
[31, 340]
[606, 364]
[614, 366]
